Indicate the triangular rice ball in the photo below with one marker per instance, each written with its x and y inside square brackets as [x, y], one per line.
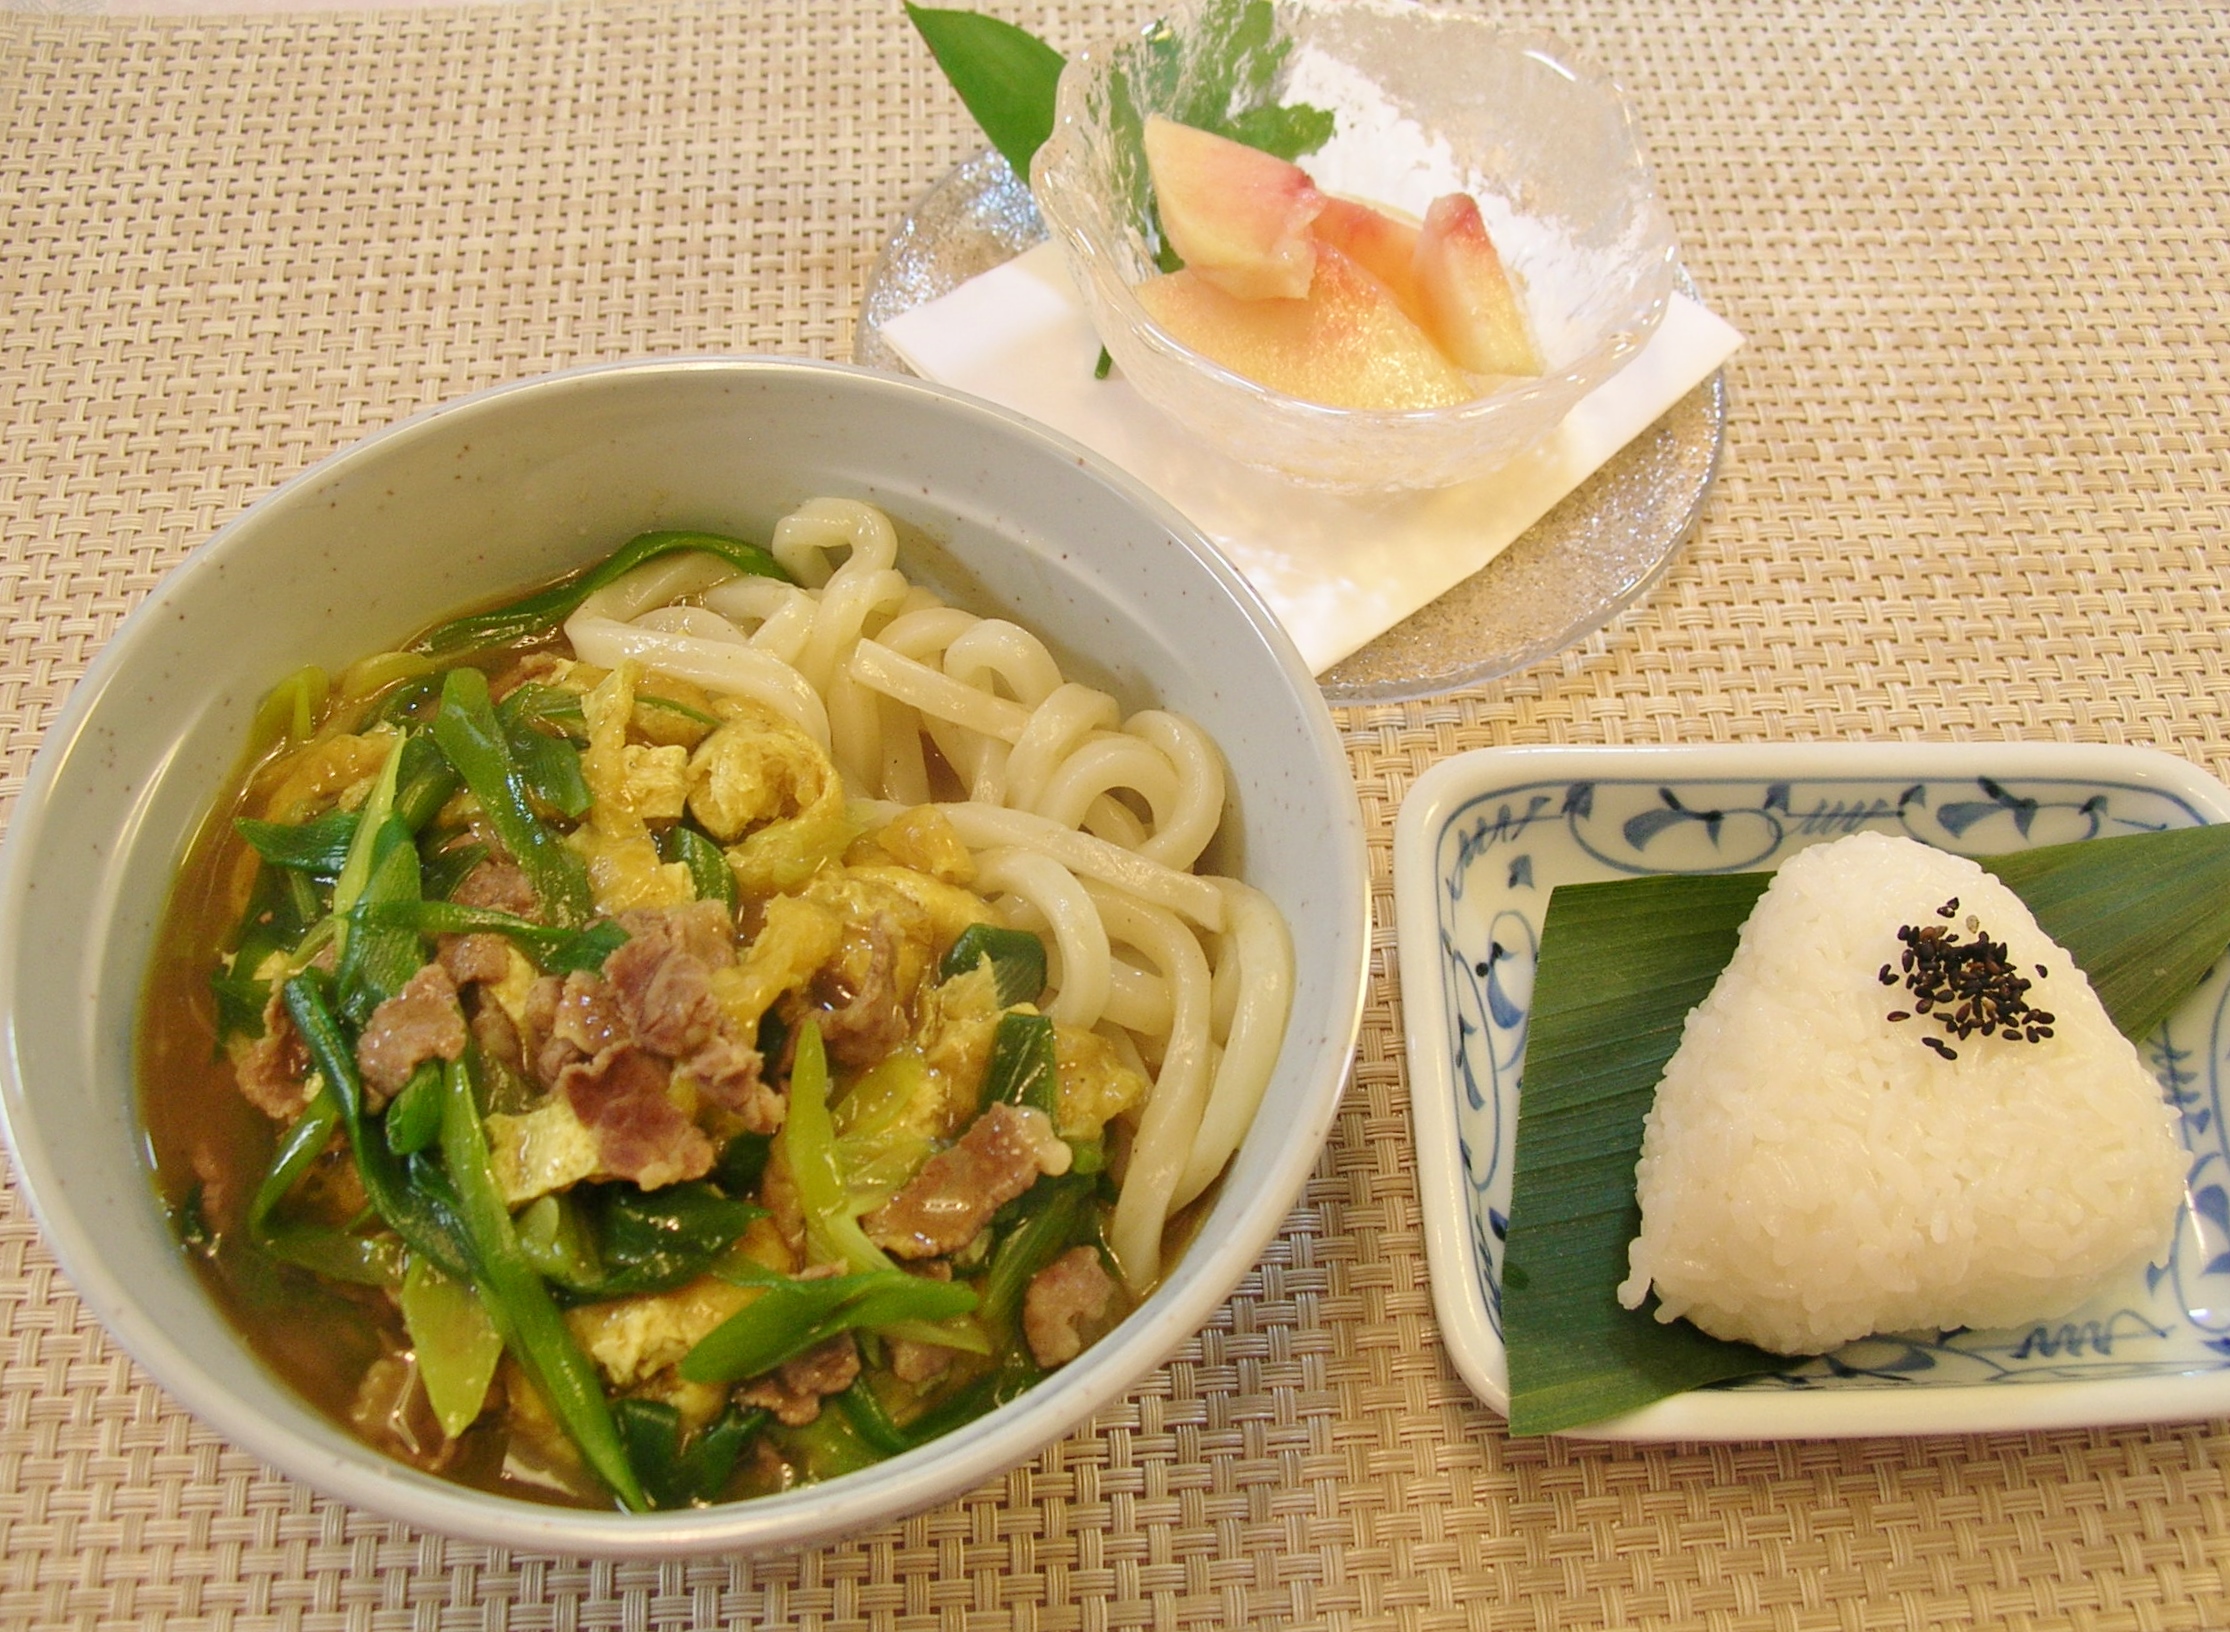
[1827, 1157]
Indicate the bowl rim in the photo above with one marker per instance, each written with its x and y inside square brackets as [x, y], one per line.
[1211, 1270]
[1568, 384]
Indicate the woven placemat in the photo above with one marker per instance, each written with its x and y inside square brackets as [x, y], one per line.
[1977, 485]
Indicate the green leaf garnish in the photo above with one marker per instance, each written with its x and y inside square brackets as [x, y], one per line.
[1286, 132]
[1005, 75]
[1621, 964]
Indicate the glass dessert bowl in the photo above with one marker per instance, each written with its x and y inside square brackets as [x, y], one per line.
[1424, 103]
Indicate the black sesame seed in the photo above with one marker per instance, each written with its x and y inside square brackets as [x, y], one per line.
[1897, 1014]
[1967, 986]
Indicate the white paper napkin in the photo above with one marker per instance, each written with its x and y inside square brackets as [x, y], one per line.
[1338, 570]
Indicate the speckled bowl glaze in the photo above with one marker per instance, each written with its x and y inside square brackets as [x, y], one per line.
[514, 486]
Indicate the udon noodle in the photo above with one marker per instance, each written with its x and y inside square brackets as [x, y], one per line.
[723, 984]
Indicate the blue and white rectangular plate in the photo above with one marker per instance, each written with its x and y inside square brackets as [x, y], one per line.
[1482, 840]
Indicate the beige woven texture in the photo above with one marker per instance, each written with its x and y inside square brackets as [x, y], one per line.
[1976, 486]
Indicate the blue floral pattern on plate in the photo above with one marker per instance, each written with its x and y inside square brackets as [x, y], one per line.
[1492, 834]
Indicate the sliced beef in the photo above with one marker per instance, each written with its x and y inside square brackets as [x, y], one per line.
[274, 1070]
[662, 976]
[661, 980]
[865, 1018]
[481, 958]
[577, 1020]
[1065, 1297]
[793, 1391]
[493, 1030]
[498, 884]
[733, 1074]
[958, 1189]
[912, 1362]
[419, 1023]
[641, 1134]
[611, 1041]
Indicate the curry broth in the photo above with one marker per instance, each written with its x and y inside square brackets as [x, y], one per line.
[210, 1148]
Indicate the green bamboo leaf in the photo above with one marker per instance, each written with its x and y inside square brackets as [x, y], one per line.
[1622, 963]
[2144, 915]
[1005, 75]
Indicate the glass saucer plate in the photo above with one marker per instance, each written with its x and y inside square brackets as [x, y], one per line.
[1564, 578]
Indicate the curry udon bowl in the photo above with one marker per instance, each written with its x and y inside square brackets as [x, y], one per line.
[512, 487]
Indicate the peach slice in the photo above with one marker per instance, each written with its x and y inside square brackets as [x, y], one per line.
[1384, 247]
[1347, 345]
[1239, 217]
[1465, 300]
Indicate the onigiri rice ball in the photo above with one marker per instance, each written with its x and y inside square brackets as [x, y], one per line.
[1825, 1160]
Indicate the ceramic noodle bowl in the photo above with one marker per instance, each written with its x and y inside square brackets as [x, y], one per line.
[480, 500]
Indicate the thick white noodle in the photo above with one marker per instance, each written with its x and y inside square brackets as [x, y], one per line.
[1065, 718]
[804, 538]
[656, 583]
[691, 620]
[1112, 820]
[996, 650]
[851, 598]
[1180, 836]
[924, 634]
[971, 727]
[1111, 760]
[780, 615]
[905, 767]
[1163, 1143]
[856, 734]
[1126, 1049]
[1262, 948]
[981, 826]
[980, 759]
[1062, 904]
[920, 632]
[1137, 999]
[936, 694]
